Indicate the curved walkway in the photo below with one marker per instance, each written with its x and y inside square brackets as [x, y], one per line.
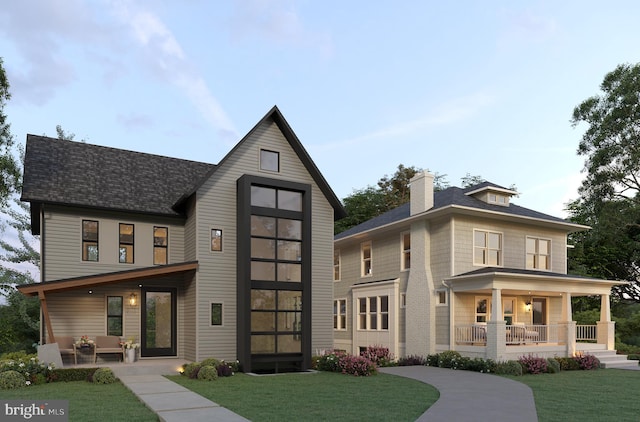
[471, 396]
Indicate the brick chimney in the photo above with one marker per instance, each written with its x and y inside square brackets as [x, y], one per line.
[421, 193]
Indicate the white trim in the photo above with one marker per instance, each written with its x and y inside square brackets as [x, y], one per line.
[337, 251]
[526, 253]
[446, 298]
[403, 251]
[362, 261]
[338, 314]
[501, 254]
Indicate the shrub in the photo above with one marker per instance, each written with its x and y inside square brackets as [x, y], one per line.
[450, 359]
[330, 362]
[208, 373]
[533, 364]
[190, 370]
[72, 374]
[626, 349]
[633, 356]
[553, 366]
[20, 356]
[432, 360]
[587, 361]
[479, 365]
[11, 379]
[510, 367]
[357, 365]
[27, 366]
[210, 362]
[104, 376]
[379, 355]
[224, 370]
[412, 360]
[568, 364]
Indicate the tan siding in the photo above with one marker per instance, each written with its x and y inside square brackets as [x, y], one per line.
[62, 242]
[217, 275]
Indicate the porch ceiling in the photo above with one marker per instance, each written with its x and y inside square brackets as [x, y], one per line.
[518, 282]
[107, 278]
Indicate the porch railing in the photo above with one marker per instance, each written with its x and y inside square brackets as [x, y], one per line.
[515, 334]
[586, 333]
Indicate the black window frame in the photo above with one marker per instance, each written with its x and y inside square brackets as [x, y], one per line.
[119, 316]
[157, 246]
[86, 241]
[126, 243]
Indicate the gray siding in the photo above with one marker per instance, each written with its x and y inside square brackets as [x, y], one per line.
[216, 208]
[62, 242]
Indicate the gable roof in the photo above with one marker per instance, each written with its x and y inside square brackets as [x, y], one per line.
[454, 197]
[81, 174]
[277, 117]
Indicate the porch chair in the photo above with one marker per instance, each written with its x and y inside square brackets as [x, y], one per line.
[517, 331]
[107, 344]
[67, 347]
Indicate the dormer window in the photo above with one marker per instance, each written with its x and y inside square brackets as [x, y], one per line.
[492, 194]
[498, 199]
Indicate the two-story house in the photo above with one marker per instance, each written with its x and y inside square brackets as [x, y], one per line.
[465, 270]
[193, 260]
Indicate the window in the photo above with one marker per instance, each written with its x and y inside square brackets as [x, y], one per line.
[442, 297]
[365, 253]
[403, 300]
[508, 310]
[336, 265]
[498, 199]
[340, 314]
[538, 253]
[89, 240]
[482, 309]
[160, 245]
[216, 240]
[406, 251]
[269, 160]
[126, 244]
[487, 248]
[114, 315]
[216, 314]
[373, 313]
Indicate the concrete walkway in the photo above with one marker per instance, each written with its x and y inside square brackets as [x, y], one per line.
[174, 403]
[471, 396]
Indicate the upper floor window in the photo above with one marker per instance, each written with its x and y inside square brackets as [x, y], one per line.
[498, 199]
[487, 248]
[267, 197]
[340, 314]
[442, 297]
[365, 252]
[538, 253]
[160, 245]
[89, 240]
[269, 160]
[126, 244]
[336, 265]
[405, 263]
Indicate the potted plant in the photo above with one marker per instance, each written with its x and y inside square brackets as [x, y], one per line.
[84, 342]
[130, 350]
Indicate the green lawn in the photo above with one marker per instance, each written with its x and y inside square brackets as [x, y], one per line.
[317, 396]
[602, 395]
[87, 401]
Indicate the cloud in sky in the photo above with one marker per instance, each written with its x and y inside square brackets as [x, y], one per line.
[450, 112]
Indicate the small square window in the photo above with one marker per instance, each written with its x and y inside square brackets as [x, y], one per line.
[216, 314]
[216, 240]
[269, 160]
[442, 297]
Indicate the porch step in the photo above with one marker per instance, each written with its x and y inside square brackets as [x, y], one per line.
[609, 359]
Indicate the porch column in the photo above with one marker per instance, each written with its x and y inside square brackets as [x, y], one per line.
[606, 327]
[496, 329]
[566, 307]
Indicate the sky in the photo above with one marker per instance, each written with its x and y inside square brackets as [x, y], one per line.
[480, 87]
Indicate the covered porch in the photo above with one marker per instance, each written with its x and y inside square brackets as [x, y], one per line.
[502, 314]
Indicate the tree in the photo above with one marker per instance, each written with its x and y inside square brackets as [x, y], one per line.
[610, 193]
[9, 169]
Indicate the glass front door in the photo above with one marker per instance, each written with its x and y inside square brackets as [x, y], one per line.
[159, 322]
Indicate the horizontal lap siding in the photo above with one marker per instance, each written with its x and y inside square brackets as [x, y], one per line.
[63, 242]
[216, 208]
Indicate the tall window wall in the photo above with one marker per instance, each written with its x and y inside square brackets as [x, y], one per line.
[274, 274]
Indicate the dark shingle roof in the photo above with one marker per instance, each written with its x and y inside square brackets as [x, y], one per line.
[76, 173]
[444, 198]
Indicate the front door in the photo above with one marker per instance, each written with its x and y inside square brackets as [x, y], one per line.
[158, 322]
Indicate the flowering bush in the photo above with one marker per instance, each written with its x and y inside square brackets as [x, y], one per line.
[29, 368]
[357, 365]
[586, 361]
[533, 364]
[378, 355]
[450, 359]
[330, 362]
